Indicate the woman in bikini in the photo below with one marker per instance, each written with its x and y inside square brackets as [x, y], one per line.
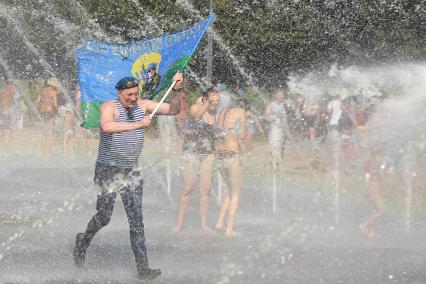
[374, 169]
[232, 121]
[198, 147]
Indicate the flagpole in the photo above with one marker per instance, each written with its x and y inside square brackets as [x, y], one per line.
[209, 81]
[210, 48]
[164, 97]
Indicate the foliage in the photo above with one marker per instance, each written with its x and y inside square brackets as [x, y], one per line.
[269, 38]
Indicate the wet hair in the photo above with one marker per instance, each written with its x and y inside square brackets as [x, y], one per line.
[209, 91]
[243, 103]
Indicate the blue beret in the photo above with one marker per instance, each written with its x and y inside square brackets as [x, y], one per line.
[126, 83]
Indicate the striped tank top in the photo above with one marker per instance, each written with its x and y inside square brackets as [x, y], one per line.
[122, 149]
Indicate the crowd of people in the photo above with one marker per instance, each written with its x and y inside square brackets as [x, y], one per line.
[49, 107]
[217, 129]
[58, 111]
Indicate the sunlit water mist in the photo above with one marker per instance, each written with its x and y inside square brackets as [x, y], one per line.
[272, 249]
[68, 28]
[395, 93]
[235, 61]
[395, 98]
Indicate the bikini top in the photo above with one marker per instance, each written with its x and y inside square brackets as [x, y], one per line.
[232, 130]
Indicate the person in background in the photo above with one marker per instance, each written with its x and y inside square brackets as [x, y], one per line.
[232, 121]
[374, 168]
[347, 125]
[77, 102]
[48, 102]
[252, 123]
[275, 114]
[334, 111]
[8, 117]
[66, 122]
[310, 116]
[323, 118]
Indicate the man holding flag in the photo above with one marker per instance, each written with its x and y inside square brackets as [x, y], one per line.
[122, 117]
[122, 124]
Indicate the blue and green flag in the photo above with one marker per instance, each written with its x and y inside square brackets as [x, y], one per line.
[152, 61]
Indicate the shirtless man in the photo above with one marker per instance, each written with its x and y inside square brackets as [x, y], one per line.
[232, 121]
[6, 112]
[48, 106]
[310, 116]
[198, 149]
[348, 123]
[67, 123]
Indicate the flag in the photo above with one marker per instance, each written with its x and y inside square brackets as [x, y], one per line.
[152, 61]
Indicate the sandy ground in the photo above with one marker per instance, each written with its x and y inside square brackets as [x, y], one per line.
[44, 202]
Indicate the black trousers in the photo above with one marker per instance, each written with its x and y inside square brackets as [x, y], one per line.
[129, 184]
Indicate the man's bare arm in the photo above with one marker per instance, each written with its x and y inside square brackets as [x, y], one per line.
[172, 108]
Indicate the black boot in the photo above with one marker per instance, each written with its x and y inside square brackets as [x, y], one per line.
[148, 273]
[79, 254]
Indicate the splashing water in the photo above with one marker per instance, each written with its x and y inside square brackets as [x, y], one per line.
[273, 248]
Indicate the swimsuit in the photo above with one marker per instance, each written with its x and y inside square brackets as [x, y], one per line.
[199, 138]
[224, 157]
[225, 154]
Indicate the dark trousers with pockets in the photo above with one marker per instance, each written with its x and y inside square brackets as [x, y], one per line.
[129, 184]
